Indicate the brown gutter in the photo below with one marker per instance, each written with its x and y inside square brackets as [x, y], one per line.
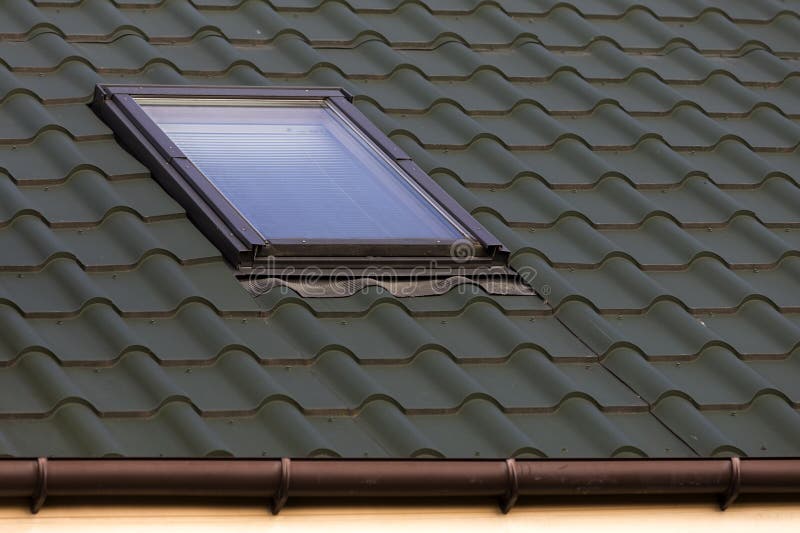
[277, 480]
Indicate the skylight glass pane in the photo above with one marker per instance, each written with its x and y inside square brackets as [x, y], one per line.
[300, 172]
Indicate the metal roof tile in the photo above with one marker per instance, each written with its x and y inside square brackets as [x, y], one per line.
[768, 427]
[638, 158]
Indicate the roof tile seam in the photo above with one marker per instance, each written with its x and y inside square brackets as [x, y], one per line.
[45, 182]
[610, 174]
[397, 132]
[666, 296]
[431, 44]
[654, 267]
[690, 357]
[303, 361]
[353, 412]
[68, 255]
[645, 218]
[349, 412]
[324, 63]
[730, 406]
[89, 224]
[509, 11]
[584, 112]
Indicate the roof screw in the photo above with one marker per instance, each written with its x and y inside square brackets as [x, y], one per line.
[678, 363]
[20, 276]
[244, 321]
[709, 229]
[330, 419]
[113, 276]
[755, 270]
[47, 188]
[587, 367]
[188, 371]
[343, 322]
[733, 414]
[80, 232]
[532, 319]
[619, 317]
[152, 321]
[532, 230]
[763, 447]
[58, 323]
[563, 450]
[667, 450]
[13, 146]
[303, 241]
[477, 454]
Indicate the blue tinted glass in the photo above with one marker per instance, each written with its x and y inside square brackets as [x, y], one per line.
[300, 172]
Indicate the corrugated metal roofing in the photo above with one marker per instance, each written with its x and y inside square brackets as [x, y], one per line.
[642, 157]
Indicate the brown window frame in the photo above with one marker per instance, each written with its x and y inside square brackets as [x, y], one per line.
[232, 233]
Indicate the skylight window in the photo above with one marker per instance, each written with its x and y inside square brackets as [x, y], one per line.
[289, 173]
[299, 170]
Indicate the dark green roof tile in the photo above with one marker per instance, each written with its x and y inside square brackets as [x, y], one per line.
[638, 158]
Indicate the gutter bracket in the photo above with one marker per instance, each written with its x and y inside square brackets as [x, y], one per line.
[510, 498]
[282, 493]
[40, 489]
[734, 486]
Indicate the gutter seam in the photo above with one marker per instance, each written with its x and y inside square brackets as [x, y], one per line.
[735, 485]
[40, 491]
[510, 499]
[282, 494]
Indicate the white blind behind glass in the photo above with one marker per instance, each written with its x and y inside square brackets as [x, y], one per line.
[300, 173]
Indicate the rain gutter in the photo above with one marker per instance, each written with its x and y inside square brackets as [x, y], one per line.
[277, 480]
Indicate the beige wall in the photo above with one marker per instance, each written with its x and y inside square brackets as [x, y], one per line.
[611, 518]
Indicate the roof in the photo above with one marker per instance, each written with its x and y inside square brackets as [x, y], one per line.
[642, 158]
